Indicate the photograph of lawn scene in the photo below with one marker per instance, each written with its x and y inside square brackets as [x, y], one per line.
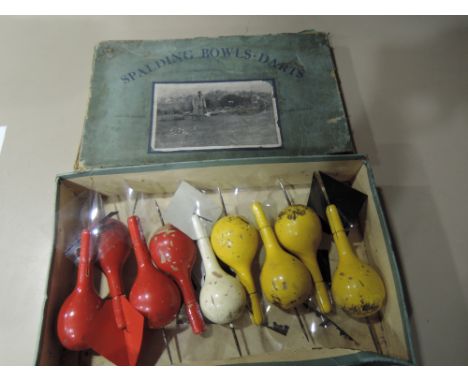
[214, 115]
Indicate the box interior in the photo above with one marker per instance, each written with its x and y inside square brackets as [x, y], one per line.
[241, 184]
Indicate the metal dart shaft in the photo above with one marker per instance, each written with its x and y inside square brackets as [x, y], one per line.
[135, 204]
[328, 321]
[235, 339]
[322, 187]
[286, 195]
[301, 324]
[159, 212]
[166, 343]
[222, 202]
[177, 345]
[374, 337]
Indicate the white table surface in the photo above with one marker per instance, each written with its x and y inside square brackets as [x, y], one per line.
[406, 89]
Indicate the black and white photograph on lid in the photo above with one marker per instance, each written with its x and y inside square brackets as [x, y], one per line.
[214, 115]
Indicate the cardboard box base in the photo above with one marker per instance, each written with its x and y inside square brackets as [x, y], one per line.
[385, 339]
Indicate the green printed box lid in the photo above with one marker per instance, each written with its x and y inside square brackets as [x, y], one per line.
[213, 98]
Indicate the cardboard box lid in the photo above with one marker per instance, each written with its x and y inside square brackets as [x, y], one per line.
[213, 98]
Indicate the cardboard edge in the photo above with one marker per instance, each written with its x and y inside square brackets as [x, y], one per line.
[393, 263]
[39, 342]
[357, 359]
[211, 163]
[307, 32]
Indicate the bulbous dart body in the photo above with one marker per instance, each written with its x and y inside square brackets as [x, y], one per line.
[222, 298]
[299, 230]
[235, 242]
[153, 294]
[284, 279]
[113, 251]
[81, 306]
[356, 287]
[175, 253]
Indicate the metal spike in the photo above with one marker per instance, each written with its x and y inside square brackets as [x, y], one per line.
[308, 328]
[201, 217]
[159, 212]
[374, 337]
[286, 195]
[222, 201]
[231, 325]
[177, 345]
[322, 186]
[328, 321]
[166, 343]
[302, 325]
[135, 204]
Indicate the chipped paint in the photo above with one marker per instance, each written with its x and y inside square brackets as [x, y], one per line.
[335, 120]
[161, 256]
[167, 230]
[292, 212]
